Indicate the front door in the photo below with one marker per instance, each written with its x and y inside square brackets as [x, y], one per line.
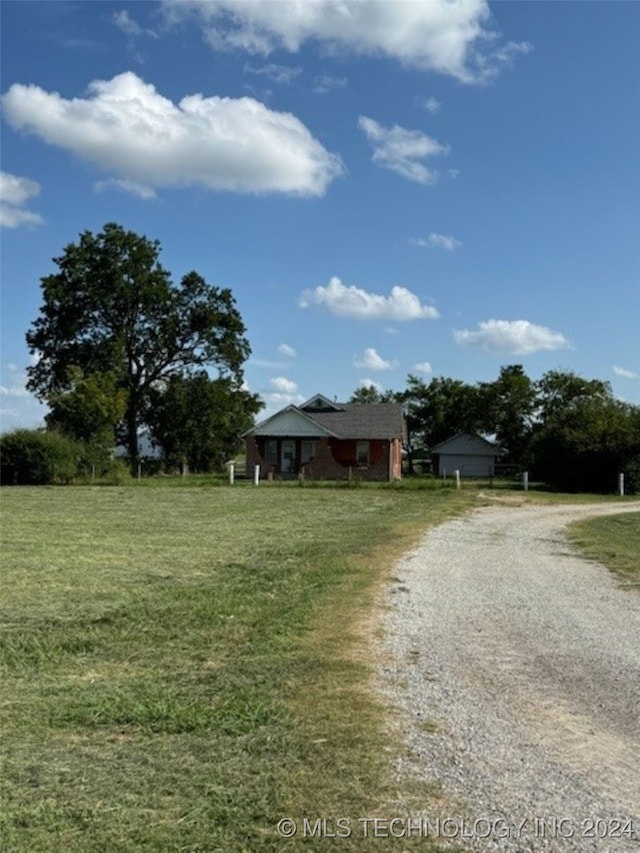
[288, 457]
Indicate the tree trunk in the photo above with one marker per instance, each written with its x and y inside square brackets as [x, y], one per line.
[132, 435]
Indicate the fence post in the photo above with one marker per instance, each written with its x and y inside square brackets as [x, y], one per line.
[457, 473]
[232, 471]
[525, 480]
[621, 484]
[256, 475]
[139, 470]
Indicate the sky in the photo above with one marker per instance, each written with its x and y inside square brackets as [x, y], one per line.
[434, 188]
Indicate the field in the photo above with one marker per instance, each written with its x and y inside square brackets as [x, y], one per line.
[185, 667]
[614, 541]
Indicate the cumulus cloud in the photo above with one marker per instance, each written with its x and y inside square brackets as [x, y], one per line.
[126, 23]
[402, 150]
[282, 392]
[352, 301]
[14, 391]
[281, 385]
[126, 127]
[370, 383]
[431, 105]
[519, 337]
[15, 191]
[18, 407]
[285, 349]
[625, 373]
[278, 73]
[452, 38]
[270, 365]
[439, 241]
[371, 360]
[422, 367]
[324, 83]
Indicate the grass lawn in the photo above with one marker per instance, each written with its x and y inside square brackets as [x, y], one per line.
[613, 540]
[185, 667]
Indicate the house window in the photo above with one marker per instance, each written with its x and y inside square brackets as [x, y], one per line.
[271, 451]
[362, 452]
[307, 452]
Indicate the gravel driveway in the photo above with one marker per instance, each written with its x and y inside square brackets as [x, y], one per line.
[527, 660]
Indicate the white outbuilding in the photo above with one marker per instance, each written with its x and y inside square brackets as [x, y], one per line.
[472, 455]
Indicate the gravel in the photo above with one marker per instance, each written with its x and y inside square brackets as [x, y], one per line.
[526, 658]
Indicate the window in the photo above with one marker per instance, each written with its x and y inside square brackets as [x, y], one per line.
[271, 451]
[362, 452]
[307, 452]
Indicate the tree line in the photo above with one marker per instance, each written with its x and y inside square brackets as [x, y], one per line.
[122, 348]
[569, 432]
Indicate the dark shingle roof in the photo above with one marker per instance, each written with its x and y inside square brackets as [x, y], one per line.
[363, 420]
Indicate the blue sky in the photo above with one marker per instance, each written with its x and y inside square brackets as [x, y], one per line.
[437, 188]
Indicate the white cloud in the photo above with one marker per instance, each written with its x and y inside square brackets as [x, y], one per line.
[454, 173]
[352, 301]
[282, 392]
[519, 337]
[125, 23]
[452, 38]
[14, 391]
[285, 349]
[19, 408]
[369, 383]
[371, 360]
[625, 373]
[281, 385]
[440, 241]
[390, 330]
[401, 150]
[126, 127]
[15, 191]
[131, 187]
[431, 105]
[278, 73]
[422, 367]
[323, 83]
[263, 362]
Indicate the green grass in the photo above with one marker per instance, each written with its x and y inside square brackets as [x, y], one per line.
[184, 667]
[613, 540]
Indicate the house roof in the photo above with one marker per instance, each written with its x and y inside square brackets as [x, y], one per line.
[363, 420]
[349, 420]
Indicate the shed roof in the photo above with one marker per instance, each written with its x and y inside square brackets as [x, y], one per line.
[466, 442]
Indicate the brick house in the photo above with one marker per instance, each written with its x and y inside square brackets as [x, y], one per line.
[329, 441]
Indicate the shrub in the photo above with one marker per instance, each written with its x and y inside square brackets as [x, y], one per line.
[33, 457]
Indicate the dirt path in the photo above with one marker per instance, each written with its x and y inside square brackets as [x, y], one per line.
[527, 659]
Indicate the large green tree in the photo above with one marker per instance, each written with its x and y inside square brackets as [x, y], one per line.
[439, 409]
[586, 444]
[198, 421]
[509, 407]
[371, 394]
[558, 390]
[112, 308]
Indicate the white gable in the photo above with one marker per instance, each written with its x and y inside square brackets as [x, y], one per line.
[290, 422]
[321, 403]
